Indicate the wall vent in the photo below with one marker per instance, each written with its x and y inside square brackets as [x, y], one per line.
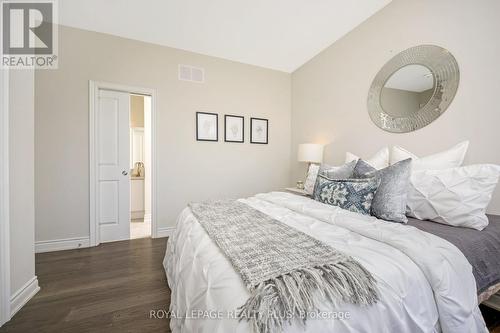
[191, 73]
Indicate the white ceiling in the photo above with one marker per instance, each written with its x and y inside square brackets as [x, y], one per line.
[416, 78]
[277, 34]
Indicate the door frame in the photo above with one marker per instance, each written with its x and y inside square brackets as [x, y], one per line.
[5, 314]
[94, 87]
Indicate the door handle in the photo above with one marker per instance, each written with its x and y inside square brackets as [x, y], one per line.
[124, 173]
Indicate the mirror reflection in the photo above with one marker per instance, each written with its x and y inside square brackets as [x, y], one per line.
[407, 90]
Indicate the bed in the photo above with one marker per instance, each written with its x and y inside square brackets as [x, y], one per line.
[425, 283]
[481, 248]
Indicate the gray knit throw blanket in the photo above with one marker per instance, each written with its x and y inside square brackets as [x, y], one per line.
[281, 266]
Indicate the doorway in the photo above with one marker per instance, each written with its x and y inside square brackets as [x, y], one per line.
[140, 148]
[122, 162]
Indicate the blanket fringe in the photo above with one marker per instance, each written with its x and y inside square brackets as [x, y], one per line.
[290, 297]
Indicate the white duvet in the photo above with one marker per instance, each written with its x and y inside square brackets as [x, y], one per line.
[425, 283]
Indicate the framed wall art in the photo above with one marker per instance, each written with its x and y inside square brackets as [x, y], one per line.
[234, 128]
[259, 131]
[207, 126]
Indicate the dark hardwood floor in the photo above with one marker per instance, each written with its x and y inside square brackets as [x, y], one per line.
[109, 288]
[492, 318]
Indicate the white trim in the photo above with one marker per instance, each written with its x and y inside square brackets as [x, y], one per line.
[165, 232]
[23, 295]
[94, 87]
[154, 167]
[4, 199]
[93, 228]
[147, 218]
[62, 244]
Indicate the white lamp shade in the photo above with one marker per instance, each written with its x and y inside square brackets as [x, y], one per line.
[310, 152]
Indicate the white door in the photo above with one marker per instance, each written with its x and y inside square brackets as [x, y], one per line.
[113, 186]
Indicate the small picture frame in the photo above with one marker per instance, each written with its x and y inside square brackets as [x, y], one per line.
[234, 128]
[259, 131]
[207, 126]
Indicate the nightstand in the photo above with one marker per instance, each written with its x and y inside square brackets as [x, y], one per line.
[297, 191]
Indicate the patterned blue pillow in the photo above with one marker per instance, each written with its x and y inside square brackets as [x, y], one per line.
[355, 195]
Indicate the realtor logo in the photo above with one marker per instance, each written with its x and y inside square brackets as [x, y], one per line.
[29, 34]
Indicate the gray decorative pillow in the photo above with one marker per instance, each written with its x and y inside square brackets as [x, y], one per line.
[344, 171]
[355, 195]
[338, 172]
[390, 200]
[335, 172]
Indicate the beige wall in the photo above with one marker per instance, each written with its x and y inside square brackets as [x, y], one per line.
[136, 111]
[187, 169]
[330, 91]
[21, 178]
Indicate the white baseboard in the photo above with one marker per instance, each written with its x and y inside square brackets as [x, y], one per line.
[23, 295]
[62, 244]
[165, 232]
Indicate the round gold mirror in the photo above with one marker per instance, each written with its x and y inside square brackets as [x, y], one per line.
[413, 89]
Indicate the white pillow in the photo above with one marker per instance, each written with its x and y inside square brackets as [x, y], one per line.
[451, 158]
[457, 196]
[312, 174]
[379, 161]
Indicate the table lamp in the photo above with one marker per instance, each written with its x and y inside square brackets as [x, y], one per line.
[311, 153]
